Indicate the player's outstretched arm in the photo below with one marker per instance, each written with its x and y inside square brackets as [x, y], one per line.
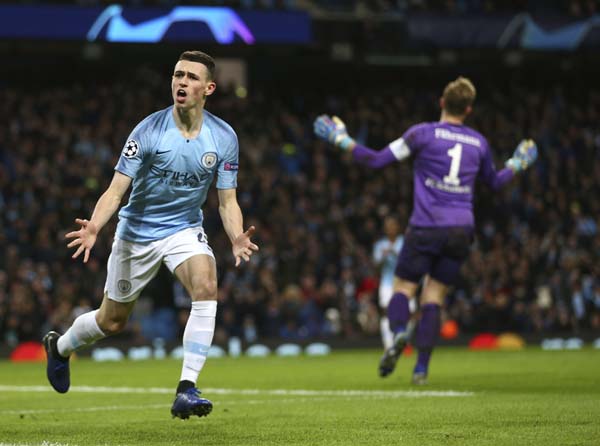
[85, 238]
[333, 129]
[524, 156]
[231, 215]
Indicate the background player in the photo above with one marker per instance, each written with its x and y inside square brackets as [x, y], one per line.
[171, 158]
[448, 157]
[385, 255]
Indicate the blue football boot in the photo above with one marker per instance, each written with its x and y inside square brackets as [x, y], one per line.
[189, 403]
[57, 367]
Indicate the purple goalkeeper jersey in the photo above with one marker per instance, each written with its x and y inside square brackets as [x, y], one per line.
[448, 158]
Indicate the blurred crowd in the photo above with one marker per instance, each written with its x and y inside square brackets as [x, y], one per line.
[574, 8]
[534, 268]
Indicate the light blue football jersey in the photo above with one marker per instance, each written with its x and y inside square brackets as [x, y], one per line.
[172, 174]
[387, 261]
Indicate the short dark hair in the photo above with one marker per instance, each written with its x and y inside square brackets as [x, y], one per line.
[200, 57]
[458, 95]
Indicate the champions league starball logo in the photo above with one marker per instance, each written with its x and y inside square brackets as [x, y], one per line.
[131, 149]
[223, 23]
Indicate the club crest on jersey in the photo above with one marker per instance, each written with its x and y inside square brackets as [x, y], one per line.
[131, 148]
[209, 159]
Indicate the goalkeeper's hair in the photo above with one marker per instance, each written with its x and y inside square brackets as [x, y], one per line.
[200, 57]
[458, 96]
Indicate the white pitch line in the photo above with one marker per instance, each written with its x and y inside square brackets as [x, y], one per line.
[44, 443]
[150, 406]
[273, 392]
[218, 404]
[83, 409]
[343, 393]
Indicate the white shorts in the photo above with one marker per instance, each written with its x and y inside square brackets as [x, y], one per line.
[132, 265]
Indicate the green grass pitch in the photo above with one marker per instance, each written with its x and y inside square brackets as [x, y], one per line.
[529, 397]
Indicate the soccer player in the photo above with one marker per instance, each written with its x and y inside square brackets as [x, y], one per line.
[448, 157]
[385, 254]
[170, 159]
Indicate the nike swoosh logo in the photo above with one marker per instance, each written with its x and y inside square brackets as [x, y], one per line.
[161, 152]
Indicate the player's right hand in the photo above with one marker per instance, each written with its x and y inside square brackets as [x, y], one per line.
[333, 130]
[85, 238]
[524, 156]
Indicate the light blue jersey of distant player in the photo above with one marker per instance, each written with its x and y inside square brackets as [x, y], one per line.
[385, 253]
[172, 174]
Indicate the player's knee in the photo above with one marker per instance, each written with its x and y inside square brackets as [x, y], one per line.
[405, 287]
[205, 291]
[431, 295]
[434, 292]
[436, 299]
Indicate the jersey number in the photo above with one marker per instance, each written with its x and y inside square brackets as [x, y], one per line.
[455, 153]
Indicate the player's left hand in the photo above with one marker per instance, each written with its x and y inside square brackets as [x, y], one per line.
[524, 156]
[243, 247]
[334, 131]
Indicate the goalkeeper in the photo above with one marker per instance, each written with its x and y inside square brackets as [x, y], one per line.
[448, 157]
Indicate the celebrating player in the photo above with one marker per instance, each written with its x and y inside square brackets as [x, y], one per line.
[170, 158]
[448, 157]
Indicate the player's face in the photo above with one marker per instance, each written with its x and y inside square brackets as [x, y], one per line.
[191, 84]
[391, 227]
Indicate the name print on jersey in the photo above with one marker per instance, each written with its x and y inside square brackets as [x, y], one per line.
[456, 189]
[175, 178]
[458, 137]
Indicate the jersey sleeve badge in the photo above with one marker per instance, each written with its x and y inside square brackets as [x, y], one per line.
[131, 149]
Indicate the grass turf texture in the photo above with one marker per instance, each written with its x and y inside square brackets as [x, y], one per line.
[530, 397]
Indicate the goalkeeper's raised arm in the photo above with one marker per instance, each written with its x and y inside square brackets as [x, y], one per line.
[333, 129]
[524, 156]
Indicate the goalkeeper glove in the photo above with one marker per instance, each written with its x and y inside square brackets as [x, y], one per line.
[524, 156]
[334, 131]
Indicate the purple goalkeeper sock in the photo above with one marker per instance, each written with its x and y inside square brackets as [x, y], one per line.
[427, 334]
[398, 312]
[423, 360]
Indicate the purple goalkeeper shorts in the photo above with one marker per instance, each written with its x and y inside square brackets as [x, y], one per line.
[439, 252]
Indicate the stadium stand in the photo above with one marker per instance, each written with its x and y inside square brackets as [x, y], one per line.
[535, 267]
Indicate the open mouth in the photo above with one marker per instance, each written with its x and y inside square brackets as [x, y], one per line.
[181, 94]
